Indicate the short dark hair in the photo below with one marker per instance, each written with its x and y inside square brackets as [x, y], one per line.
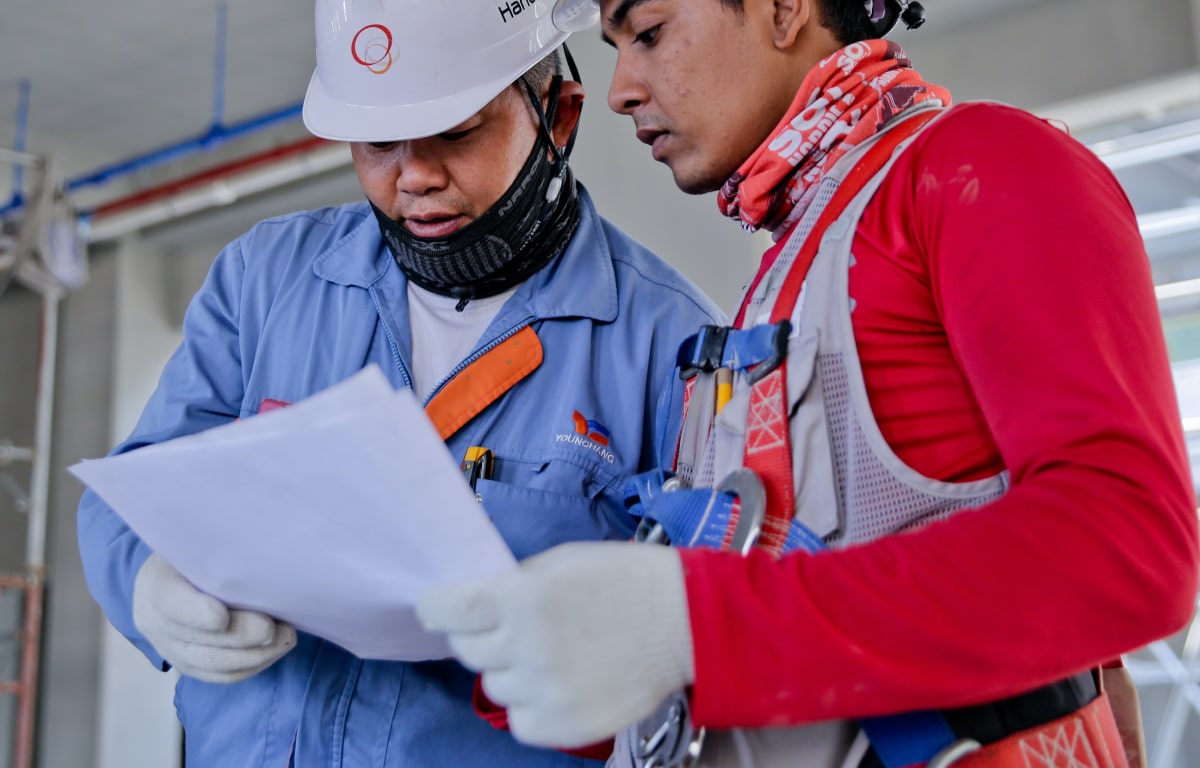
[539, 74]
[847, 19]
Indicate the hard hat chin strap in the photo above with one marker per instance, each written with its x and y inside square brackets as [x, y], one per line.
[524, 230]
[521, 233]
[546, 122]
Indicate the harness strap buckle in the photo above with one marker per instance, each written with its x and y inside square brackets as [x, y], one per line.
[758, 350]
[705, 517]
[779, 345]
[640, 496]
[703, 351]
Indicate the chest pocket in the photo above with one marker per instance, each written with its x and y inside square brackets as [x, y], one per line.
[538, 504]
[535, 502]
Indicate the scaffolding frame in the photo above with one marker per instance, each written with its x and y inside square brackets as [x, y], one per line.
[32, 581]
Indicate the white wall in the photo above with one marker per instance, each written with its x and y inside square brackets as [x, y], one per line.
[137, 724]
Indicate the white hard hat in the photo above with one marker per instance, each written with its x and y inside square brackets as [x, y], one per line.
[389, 70]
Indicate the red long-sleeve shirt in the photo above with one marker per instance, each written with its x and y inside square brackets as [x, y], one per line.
[1005, 317]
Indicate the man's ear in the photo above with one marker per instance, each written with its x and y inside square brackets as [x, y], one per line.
[791, 16]
[570, 106]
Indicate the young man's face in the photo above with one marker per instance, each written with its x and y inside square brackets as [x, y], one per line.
[437, 185]
[698, 79]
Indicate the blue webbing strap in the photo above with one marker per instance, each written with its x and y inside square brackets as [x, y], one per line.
[716, 346]
[900, 740]
[908, 738]
[694, 517]
[702, 517]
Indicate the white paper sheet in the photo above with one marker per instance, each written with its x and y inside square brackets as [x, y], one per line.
[334, 514]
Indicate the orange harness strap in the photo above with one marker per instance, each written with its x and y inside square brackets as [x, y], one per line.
[1086, 738]
[483, 381]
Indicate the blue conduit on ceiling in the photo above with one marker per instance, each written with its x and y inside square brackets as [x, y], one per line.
[18, 180]
[216, 136]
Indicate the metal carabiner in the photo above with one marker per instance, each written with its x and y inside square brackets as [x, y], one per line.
[670, 740]
[752, 500]
[674, 742]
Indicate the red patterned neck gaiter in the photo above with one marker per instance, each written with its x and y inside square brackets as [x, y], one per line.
[846, 99]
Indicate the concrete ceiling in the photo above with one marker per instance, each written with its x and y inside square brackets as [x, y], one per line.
[109, 82]
[112, 81]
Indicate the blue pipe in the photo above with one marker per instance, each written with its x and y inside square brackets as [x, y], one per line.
[219, 66]
[18, 180]
[216, 136]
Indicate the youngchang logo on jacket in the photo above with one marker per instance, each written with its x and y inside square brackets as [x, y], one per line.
[589, 434]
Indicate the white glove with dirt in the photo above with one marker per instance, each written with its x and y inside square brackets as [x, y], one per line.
[198, 634]
[578, 642]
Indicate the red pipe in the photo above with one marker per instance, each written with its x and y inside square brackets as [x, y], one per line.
[26, 688]
[30, 646]
[212, 174]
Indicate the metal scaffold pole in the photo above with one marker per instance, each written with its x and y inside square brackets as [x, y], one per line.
[35, 565]
[32, 581]
[45, 219]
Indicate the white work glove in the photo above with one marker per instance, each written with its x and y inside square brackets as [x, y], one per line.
[578, 642]
[198, 634]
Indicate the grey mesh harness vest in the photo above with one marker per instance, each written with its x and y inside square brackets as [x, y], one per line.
[840, 460]
[849, 486]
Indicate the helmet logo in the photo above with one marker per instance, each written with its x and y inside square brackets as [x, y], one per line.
[372, 47]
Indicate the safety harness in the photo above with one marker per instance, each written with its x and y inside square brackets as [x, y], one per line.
[754, 506]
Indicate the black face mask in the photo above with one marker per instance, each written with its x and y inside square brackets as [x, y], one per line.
[526, 229]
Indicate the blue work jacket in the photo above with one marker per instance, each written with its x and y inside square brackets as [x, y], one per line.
[303, 301]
